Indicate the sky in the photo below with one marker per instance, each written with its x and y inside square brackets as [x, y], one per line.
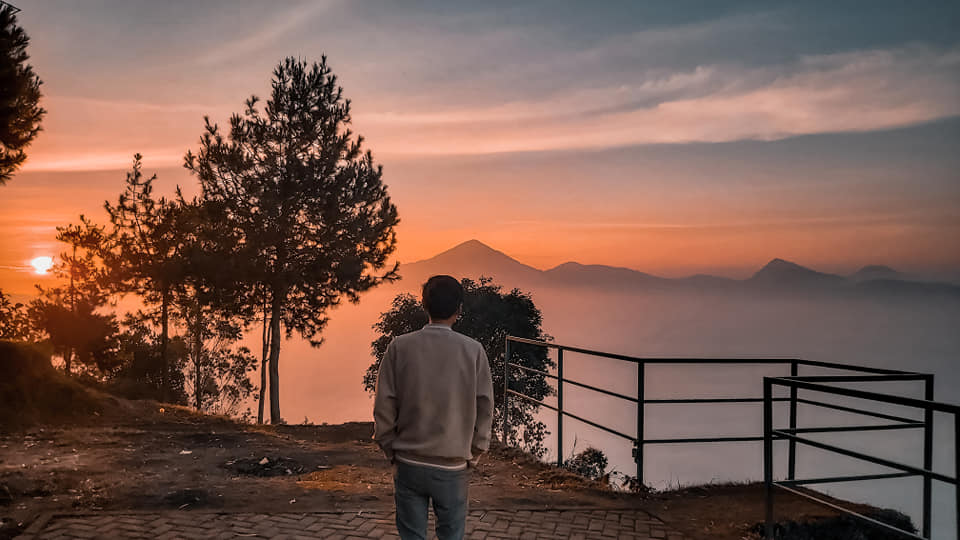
[674, 138]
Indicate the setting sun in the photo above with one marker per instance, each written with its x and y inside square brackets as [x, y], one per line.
[41, 265]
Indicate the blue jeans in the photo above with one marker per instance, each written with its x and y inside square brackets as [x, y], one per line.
[414, 486]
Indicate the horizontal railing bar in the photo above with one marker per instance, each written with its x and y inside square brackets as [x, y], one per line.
[857, 515]
[703, 440]
[711, 400]
[528, 398]
[573, 349]
[839, 479]
[598, 426]
[866, 457]
[893, 377]
[668, 360]
[813, 363]
[854, 367]
[525, 368]
[601, 390]
[635, 359]
[571, 415]
[841, 429]
[858, 411]
[863, 394]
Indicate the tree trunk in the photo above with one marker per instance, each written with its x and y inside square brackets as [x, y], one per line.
[197, 352]
[68, 356]
[164, 328]
[265, 341]
[275, 359]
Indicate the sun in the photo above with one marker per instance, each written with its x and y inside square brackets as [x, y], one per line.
[41, 265]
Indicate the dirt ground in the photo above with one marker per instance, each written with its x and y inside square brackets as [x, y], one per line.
[152, 457]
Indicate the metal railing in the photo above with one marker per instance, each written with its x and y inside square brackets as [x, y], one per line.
[793, 435]
[790, 434]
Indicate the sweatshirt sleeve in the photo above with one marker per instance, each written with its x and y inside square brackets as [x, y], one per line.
[385, 403]
[482, 430]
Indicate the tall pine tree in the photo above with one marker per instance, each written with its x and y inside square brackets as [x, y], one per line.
[311, 205]
[147, 255]
[20, 111]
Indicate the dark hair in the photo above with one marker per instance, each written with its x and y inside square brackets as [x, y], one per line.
[442, 296]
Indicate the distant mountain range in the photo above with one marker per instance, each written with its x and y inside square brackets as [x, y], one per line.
[474, 259]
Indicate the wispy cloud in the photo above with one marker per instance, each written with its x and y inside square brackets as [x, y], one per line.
[272, 31]
[829, 222]
[848, 92]
[100, 161]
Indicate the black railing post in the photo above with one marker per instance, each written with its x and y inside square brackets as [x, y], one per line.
[768, 455]
[956, 465]
[560, 407]
[638, 450]
[927, 455]
[506, 387]
[792, 452]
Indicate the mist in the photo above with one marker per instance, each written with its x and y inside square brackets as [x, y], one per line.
[915, 332]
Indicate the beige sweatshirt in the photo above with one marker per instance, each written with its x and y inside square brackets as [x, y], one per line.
[434, 398]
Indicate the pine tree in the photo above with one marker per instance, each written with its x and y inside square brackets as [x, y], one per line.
[212, 303]
[68, 314]
[312, 208]
[20, 111]
[147, 257]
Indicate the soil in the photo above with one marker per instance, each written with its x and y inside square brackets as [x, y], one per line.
[144, 456]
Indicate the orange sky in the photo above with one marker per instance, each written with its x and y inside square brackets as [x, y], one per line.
[668, 141]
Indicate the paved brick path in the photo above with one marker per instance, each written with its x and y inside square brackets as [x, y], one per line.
[522, 524]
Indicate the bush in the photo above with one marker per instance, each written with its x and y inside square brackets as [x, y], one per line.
[591, 463]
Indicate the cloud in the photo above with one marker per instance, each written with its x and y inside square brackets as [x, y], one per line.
[100, 161]
[271, 32]
[832, 222]
[845, 92]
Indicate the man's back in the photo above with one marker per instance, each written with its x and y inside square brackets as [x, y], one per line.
[432, 414]
[434, 397]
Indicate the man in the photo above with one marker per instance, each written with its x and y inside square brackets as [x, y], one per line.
[433, 412]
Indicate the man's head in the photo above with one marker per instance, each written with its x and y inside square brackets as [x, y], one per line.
[442, 298]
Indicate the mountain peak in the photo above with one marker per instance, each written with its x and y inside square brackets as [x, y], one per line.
[779, 263]
[471, 248]
[473, 243]
[472, 258]
[875, 271]
[783, 272]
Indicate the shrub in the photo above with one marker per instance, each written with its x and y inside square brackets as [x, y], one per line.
[591, 463]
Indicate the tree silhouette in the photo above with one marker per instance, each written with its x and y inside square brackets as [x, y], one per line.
[68, 313]
[313, 212]
[146, 258]
[212, 303]
[489, 315]
[20, 111]
[139, 375]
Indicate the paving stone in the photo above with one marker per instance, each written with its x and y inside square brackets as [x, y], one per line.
[481, 524]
